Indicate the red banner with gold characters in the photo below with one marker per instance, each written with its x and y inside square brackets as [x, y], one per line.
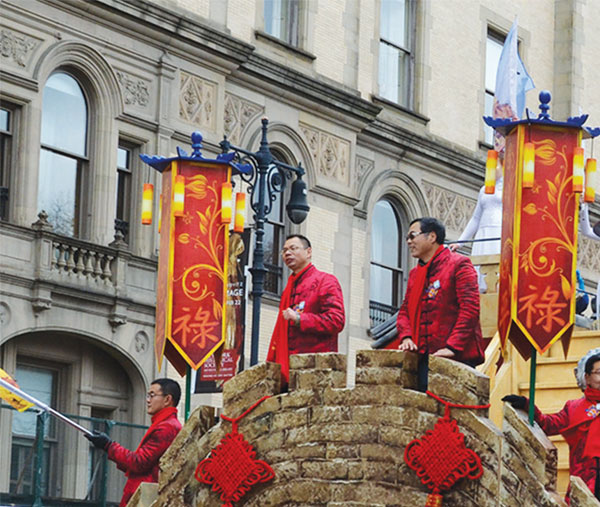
[192, 281]
[539, 240]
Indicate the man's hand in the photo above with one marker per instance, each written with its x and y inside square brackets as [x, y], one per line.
[289, 314]
[516, 401]
[453, 247]
[100, 440]
[407, 344]
[444, 353]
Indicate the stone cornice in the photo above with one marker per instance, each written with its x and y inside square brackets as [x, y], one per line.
[314, 94]
[175, 27]
[437, 152]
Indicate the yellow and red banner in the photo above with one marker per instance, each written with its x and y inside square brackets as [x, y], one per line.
[192, 266]
[9, 397]
[539, 240]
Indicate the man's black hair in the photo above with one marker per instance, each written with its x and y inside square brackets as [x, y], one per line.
[305, 241]
[168, 386]
[430, 224]
[589, 364]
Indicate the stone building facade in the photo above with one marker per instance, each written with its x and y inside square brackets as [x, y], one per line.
[85, 87]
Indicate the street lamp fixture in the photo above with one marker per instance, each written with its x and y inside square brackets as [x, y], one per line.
[266, 177]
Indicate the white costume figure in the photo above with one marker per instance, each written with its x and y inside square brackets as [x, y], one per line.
[486, 222]
[587, 230]
[584, 223]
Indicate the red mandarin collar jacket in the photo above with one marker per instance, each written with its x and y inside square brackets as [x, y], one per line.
[141, 465]
[449, 309]
[317, 296]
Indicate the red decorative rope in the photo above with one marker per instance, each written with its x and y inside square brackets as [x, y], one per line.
[234, 420]
[449, 404]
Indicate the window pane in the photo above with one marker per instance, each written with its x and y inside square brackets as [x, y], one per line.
[273, 17]
[123, 156]
[393, 74]
[381, 285]
[38, 383]
[492, 57]
[489, 109]
[385, 235]
[4, 120]
[57, 190]
[64, 115]
[394, 22]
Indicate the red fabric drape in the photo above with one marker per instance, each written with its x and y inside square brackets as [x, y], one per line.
[278, 348]
[416, 296]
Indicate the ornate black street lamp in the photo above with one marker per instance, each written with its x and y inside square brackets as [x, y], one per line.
[266, 178]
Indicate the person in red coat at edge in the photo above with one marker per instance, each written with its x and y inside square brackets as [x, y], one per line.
[578, 422]
[440, 311]
[141, 465]
[311, 311]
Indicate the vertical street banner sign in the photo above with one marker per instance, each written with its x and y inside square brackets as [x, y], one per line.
[193, 260]
[235, 319]
[536, 305]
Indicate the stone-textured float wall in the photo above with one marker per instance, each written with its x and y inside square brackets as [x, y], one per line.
[332, 445]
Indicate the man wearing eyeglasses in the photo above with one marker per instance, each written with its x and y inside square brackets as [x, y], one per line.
[311, 311]
[141, 465]
[578, 422]
[440, 312]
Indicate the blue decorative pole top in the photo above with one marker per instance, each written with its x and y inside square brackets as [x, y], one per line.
[161, 163]
[505, 125]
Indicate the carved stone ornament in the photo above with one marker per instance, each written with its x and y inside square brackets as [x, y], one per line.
[16, 46]
[363, 167]
[238, 113]
[452, 209]
[588, 254]
[331, 153]
[141, 342]
[4, 314]
[135, 91]
[197, 101]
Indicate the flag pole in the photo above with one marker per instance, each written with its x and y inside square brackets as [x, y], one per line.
[532, 366]
[43, 406]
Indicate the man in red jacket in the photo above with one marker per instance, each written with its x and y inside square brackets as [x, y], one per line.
[578, 422]
[141, 465]
[440, 312]
[311, 309]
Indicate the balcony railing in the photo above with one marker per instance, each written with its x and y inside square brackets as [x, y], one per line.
[41, 461]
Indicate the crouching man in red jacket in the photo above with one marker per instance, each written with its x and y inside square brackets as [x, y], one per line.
[440, 312]
[141, 465]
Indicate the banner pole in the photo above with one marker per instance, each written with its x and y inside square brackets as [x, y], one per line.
[43, 406]
[188, 391]
[532, 366]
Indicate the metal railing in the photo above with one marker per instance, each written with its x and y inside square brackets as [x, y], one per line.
[40, 460]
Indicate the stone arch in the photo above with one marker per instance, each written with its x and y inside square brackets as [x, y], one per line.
[289, 142]
[138, 378]
[90, 67]
[398, 185]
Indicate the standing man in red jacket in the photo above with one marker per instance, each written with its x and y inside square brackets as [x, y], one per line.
[440, 312]
[311, 311]
[141, 465]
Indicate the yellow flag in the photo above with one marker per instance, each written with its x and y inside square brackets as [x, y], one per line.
[12, 399]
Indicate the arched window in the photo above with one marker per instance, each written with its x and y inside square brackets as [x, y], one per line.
[63, 153]
[387, 260]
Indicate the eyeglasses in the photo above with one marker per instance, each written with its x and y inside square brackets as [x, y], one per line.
[293, 249]
[412, 235]
[149, 396]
